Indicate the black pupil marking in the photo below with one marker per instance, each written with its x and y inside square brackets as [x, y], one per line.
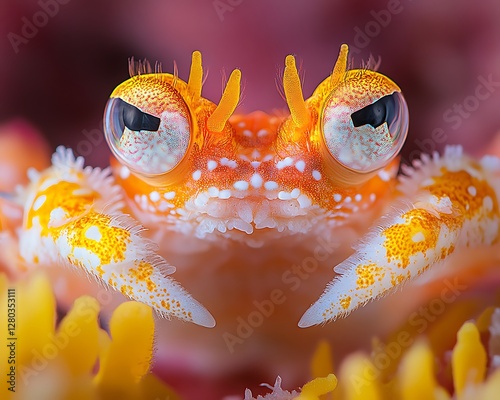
[136, 120]
[383, 110]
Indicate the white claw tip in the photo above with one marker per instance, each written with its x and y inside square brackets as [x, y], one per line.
[201, 316]
[310, 318]
[206, 320]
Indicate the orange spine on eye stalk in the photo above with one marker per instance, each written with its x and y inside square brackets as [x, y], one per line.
[293, 93]
[227, 104]
[195, 80]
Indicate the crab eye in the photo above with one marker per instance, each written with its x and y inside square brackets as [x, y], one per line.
[147, 127]
[365, 121]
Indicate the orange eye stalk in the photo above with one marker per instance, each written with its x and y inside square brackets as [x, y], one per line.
[357, 118]
[364, 121]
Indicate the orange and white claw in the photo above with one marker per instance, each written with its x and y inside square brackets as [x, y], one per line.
[146, 283]
[75, 214]
[112, 248]
[456, 206]
[403, 247]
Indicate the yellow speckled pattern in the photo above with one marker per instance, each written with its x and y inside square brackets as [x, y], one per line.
[66, 197]
[368, 275]
[471, 196]
[345, 302]
[416, 234]
[95, 233]
[151, 93]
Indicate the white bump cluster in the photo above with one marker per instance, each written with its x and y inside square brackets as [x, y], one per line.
[197, 175]
[256, 154]
[271, 185]
[93, 233]
[154, 196]
[224, 194]
[384, 175]
[228, 163]
[300, 165]
[488, 203]
[256, 180]
[124, 172]
[213, 191]
[211, 165]
[286, 162]
[303, 200]
[240, 185]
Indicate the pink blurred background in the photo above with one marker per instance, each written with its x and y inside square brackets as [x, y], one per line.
[60, 77]
[444, 55]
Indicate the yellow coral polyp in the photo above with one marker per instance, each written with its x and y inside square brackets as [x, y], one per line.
[61, 361]
[359, 379]
[318, 387]
[322, 364]
[417, 377]
[81, 327]
[131, 328]
[469, 359]
[77, 360]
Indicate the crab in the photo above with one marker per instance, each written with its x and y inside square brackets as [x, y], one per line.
[189, 176]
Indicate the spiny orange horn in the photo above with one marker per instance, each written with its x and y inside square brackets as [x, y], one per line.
[340, 67]
[227, 104]
[195, 76]
[293, 93]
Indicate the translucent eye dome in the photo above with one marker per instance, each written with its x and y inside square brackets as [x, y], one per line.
[365, 139]
[147, 144]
